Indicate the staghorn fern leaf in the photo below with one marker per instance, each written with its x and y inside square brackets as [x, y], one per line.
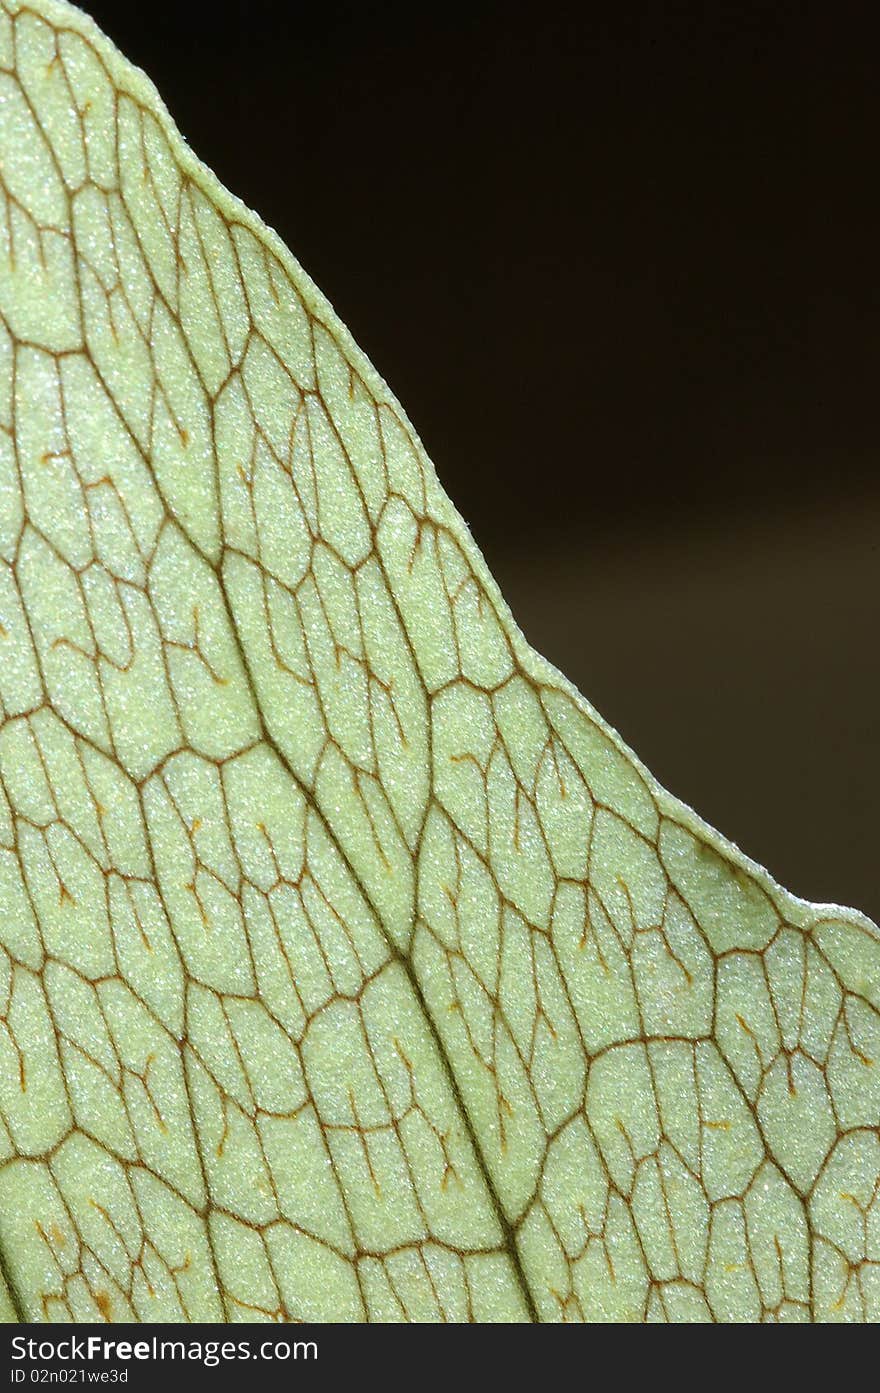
[350, 966]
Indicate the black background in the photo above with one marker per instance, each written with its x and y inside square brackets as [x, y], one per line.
[620, 266]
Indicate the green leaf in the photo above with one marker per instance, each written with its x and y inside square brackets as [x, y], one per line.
[351, 967]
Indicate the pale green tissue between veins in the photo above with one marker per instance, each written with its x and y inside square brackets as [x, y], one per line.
[350, 966]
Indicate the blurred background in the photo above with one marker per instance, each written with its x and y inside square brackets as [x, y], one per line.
[620, 268]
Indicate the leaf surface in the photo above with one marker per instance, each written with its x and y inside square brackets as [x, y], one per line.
[351, 967]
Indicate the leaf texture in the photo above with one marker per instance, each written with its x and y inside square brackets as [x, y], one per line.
[351, 968]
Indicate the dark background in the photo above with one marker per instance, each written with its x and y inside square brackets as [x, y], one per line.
[620, 268]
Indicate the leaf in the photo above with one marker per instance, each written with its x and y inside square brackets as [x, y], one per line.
[352, 968]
